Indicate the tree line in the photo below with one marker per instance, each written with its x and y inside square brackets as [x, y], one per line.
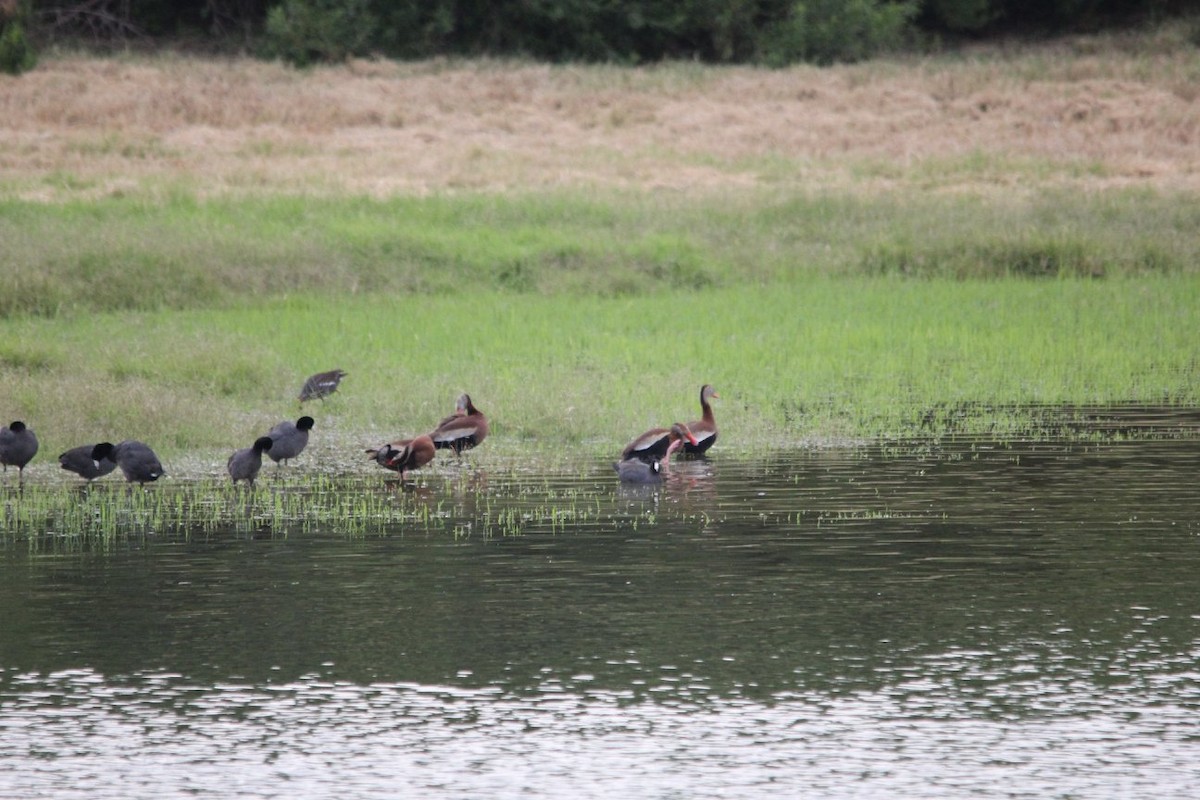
[771, 32]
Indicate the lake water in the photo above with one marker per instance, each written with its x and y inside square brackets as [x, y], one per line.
[949, 620]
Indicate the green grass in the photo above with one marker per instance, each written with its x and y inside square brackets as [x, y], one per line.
[578, 321]
[176, 252]
[826, 360]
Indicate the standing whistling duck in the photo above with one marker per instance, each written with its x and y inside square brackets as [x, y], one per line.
[244, 464]
[634, 470]
[288, 439]
[461, 432]
[136, 460]
[404, 454]
[657, 444]
[79, 460]
[319, 386]
[705, 428]
[18, 446]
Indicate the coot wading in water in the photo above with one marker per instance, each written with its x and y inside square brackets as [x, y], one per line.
[634, 470]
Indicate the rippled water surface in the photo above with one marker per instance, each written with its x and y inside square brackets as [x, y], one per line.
[1017, 620]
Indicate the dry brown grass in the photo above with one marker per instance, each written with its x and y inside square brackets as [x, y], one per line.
[1085, 113]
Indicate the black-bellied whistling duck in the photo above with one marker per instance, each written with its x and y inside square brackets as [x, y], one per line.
[319, 386]
[461, 432]
[79, 460]
[137, 461]
[634, 470]
[404, 454]
[244, 464]
[460, 410]
[18, 446]
[288, 439]
[705, 428]
[657, 444]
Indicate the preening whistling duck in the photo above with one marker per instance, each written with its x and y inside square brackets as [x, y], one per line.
[288, 439]
[244, 464]
[461, 432]
[136, 460]
[657, 444]
[79, 460]
[705, 428]
[321, 385]
[404, 454]
[18, 446]
[460, 409]
[634, 470]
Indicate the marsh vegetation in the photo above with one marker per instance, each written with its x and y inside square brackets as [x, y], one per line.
[904, 247]
[947, 534]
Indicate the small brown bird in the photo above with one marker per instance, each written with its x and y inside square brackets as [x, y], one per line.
[705, 428]
[461, 431]
[319, 386]
[403, 455]
[657, 444]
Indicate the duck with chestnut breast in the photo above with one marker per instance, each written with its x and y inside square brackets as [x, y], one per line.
[403, 455]
[634, 470]
[137, 461]
[657, 444]
[461, 431]
[288, 439]
[79, 460]
[18, 446]
[244, 464]
[321, 385]
[705, 428]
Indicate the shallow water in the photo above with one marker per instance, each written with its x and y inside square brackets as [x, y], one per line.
[1016, 620]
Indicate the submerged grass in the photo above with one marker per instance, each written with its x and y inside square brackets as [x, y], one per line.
[500, 496]
[87, 516]
[467, 502]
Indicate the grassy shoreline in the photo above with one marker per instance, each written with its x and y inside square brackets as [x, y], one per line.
[826, 361]
[898, 248]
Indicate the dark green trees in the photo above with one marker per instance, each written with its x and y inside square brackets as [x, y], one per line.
[16, 54]
[773, 32]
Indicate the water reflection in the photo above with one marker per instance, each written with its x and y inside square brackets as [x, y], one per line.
[967, 618]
